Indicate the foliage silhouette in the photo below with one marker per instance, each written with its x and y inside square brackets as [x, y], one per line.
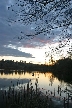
[47, 15]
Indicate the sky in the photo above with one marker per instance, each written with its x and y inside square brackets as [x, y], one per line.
[31, 50]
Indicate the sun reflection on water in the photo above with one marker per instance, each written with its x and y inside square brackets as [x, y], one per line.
[46, 81]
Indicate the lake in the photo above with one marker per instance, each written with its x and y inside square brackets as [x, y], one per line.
[46, 82]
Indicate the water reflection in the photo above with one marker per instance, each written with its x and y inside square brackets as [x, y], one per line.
[46, 81]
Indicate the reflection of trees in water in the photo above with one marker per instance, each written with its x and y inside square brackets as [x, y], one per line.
[63, 77]
[1, 73]
[36, 74]
[48, 74]
[60, 75]
[51, 80]
[50, 77]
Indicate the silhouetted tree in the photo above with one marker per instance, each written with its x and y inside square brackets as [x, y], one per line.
[46, 15]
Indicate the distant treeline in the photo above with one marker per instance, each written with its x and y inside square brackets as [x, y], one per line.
[11, 65]
[62, 66]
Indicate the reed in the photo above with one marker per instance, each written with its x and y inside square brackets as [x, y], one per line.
[28, 97]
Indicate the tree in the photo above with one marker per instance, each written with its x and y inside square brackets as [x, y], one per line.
[47, 16]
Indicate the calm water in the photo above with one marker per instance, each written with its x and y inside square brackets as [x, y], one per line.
[45, 81]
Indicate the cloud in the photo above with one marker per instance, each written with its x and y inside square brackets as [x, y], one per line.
[11, 30]
[12, 51]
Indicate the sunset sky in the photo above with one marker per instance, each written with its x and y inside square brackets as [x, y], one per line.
[30, 50]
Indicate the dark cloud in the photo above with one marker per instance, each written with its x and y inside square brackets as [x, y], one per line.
[13, 52]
